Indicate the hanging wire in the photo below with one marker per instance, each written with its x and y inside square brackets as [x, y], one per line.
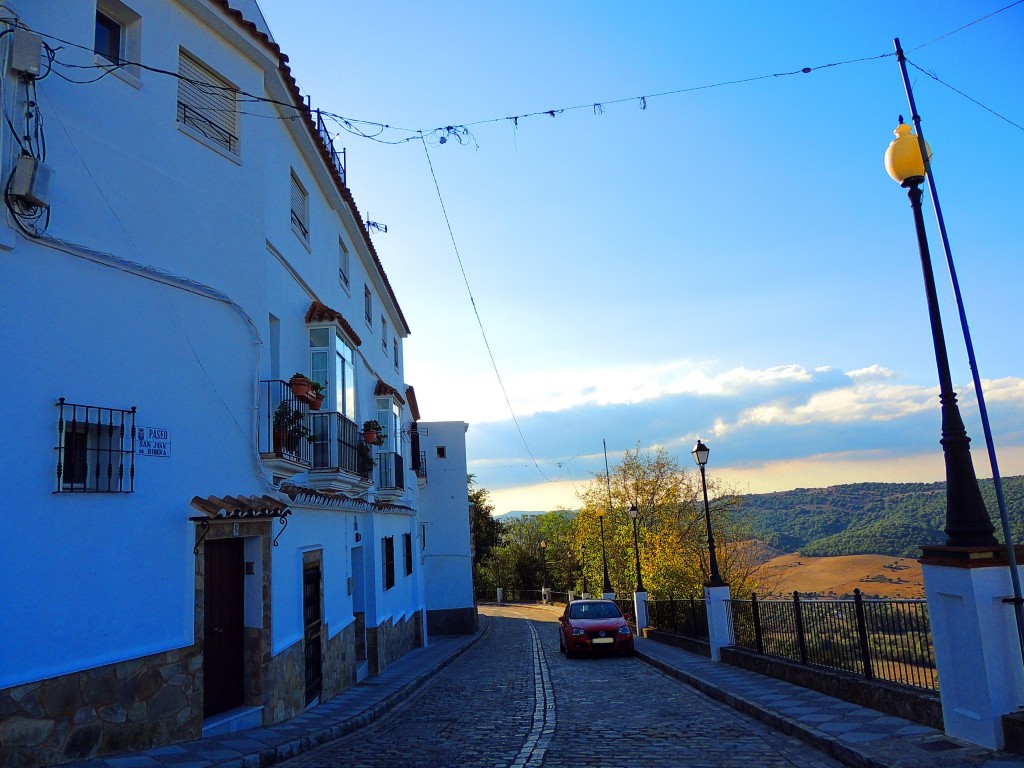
[476, 312]
[970, 99]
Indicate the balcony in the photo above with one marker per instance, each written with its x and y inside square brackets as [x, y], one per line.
[341, 460]
[283, 430]
[390, 474]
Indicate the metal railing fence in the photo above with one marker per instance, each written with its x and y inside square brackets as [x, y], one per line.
[687, 617]
[877, 639]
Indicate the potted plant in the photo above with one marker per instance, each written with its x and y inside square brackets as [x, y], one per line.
[373, 432]
[316, 394]
[300, 386]
[365, 462]
[289, 428]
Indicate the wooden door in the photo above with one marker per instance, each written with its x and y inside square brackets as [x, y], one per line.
[312, 620]
[223, 634]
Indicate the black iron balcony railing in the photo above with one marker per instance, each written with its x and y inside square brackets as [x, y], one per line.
[390, 471]
[335, 442]
[284, 423]
[419, 464]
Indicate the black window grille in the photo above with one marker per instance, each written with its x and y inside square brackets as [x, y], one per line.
[388, 556]
[95, 449]
[407, 541]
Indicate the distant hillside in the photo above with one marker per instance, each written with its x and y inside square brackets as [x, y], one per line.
[870, 518]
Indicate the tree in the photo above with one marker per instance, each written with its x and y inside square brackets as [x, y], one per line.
[485, 531]
[671, 529]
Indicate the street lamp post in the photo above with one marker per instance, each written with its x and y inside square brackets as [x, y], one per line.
[700, 455]
[583, 557]
[544, 564]
[604, 557]
[634, 513]
[967, 520]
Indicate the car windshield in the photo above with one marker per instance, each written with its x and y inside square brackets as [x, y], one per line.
[594, 611]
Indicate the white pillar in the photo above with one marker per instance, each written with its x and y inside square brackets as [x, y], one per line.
[501, 595]
[640, 606]
[977, 652]
[608, 595]
[545, 595]
[571, 598]
[716, 602]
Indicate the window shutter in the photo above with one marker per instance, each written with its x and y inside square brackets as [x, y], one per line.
[207, 103]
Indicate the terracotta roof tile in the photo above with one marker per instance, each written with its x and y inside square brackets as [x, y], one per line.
[414, 407]
[316, 497]
[240, 506]
[307, 117]
[386, 390]
[321, 313]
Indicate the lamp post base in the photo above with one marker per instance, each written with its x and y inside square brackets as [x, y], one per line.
[977, 657]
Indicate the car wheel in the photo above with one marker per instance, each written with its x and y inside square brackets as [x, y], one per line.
[561, 643]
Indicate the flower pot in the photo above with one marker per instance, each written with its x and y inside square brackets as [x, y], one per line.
[316, 401]
[374, 438]
[300, 387]
[280, 440]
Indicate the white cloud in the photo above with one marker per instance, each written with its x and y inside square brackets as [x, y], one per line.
[846, 404]
[871, 373]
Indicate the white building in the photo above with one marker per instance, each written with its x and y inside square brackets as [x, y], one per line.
[192, 545]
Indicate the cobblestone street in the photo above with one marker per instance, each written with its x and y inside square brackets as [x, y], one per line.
[514, 700]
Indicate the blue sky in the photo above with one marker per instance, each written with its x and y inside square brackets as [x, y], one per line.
[728, 262]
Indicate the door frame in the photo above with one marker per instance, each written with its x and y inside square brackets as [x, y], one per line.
[257, 611]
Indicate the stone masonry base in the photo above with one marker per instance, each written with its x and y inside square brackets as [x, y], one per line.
[130, 705]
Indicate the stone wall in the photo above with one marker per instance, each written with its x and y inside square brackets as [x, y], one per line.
[388, 641]
[339, 662]
[691, 644]
[452, 621]
[916, 704]
[134, 704]
[286, 685]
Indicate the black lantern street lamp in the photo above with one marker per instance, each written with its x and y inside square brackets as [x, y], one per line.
[604, 557]
[700, 455]
[583, 558]
[634, 513]
[967, 520]
[544, 563]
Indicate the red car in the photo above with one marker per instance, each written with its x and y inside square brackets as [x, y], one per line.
[593, 626]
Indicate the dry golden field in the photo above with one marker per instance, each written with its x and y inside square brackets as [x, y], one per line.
[874, 575]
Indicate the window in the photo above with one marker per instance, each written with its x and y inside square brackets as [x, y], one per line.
[442, 452]
[394, 347]
[207, 104]
[368, 304]
[95, 449]
[407, 542]
[387, 557]
[384, 334]
[108, 38]
[300, 209]
[342, 265]
[118, 39]
[389, 414]
[339, 380]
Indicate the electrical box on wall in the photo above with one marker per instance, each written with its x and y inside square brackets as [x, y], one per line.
[31, 182]
[26, 53]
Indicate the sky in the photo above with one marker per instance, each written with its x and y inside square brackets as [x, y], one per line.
[682, 234]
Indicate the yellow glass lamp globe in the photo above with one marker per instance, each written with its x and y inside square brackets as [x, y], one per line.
[903, 157]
